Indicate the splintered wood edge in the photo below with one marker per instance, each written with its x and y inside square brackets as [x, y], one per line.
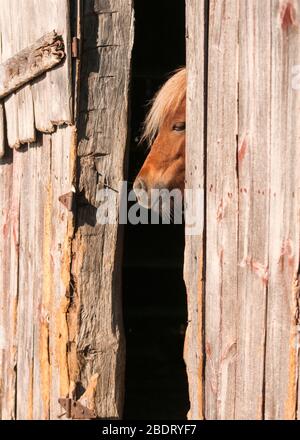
[31, 62]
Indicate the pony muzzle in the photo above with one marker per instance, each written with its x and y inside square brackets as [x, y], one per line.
[141, 191]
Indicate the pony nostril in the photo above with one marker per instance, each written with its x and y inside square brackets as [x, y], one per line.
[141, 192]
[139, 185]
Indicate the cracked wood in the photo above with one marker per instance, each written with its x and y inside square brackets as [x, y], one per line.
[30, 63]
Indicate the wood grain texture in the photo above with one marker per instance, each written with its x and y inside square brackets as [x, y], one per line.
[30, 63]
[282, 356]
[57, 84]
[10, 174]
[35, 255]
[63, 155]
[97, 248]
[10, 46]
[35, 249]
[251, 291]
[48, 101]
[193, 269]
[2, 132]
[222, 212]
[61, 329]
[253, 155]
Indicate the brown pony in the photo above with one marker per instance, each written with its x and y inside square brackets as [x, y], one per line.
[164, 130]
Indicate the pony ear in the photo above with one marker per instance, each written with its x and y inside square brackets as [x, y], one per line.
[164, 104]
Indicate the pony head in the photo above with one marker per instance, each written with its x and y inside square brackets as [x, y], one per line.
[164, 130]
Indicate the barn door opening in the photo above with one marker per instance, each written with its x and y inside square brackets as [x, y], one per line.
[153, 288]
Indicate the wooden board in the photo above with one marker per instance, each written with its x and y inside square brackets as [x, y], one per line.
[251, 291]
[282, 356]
[58, 84]
[30, 63]
[36, 229]
[253, 157]
[222, 212]
[48, 101]
[10, 178]
[35, 254]
[195, 179]
[2, 132]
[96, 267]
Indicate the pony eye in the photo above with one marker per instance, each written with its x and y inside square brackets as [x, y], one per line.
[180, 126]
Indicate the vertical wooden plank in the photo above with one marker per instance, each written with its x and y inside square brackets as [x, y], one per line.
[25, 292]
[193, 267]
[22, 22]
[46, 228]
[282, 357]
[15, 16]
[10, 225]
[33, 315]
[2, 131]
[35, 248]
[253, 181]
[7, 347]
[44, 349]
[99, 346]
[48, 101]
[12, 124]
[7, 51]
[52, 94]
[41, 380]
[252, 221]
[61, 327]
[222, 212]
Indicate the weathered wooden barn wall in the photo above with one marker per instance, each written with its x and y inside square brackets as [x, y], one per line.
[60, 311]
[60, 305]
[244, 299]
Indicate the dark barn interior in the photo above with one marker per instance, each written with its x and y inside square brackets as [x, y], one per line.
[154, 295]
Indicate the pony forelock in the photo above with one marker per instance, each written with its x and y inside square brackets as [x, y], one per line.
[165, 104]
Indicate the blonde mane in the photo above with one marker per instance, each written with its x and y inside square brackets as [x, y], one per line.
[165, 104]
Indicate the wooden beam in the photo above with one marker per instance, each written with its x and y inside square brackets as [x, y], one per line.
[30, 63]
[99, 344]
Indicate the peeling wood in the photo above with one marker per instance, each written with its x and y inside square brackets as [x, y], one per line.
[30, 63]
[62, 180]
[58, 82]
[45, 101]
[45, 305]
[88, 399]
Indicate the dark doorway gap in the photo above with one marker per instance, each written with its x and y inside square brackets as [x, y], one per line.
[154, 294]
